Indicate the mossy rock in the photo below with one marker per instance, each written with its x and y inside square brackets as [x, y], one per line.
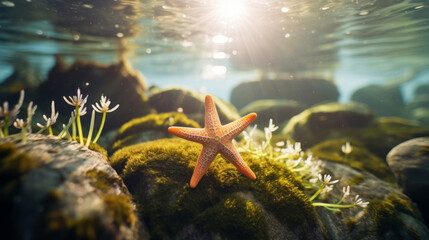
[306, 92]
[192, 104]
[421, 90]
[277, 109]
[150, 127]
[360, 158]
[418, 109]
[56, 189]
[119, 82]
[383, 100]
[314, 124]
[389, 218]
[225, 202]
[384, 134]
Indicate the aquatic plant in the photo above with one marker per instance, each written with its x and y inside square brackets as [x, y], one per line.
[9, 116]
[104, 109]
[308, 170]
[78, 101]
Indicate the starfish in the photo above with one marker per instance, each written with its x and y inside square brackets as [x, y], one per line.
[215, 138]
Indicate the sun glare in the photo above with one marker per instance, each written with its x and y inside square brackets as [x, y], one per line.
[231, 10]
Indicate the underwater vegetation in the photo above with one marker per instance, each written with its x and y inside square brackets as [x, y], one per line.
[78, 101]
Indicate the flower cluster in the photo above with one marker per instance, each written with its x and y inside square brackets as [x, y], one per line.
[303, 165]
[78, 101]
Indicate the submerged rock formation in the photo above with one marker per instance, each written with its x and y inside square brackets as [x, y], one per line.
[306, 92]
[56, 189]
[409, 162]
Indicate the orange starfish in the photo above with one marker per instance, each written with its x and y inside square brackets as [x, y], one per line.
[215, 139]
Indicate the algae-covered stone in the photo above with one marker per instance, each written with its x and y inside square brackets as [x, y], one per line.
[118, 82]
[305, 91]
[314, 124]
[383, 100]
[360, 158]
[225, 203]
[150, 127]
[277, 109]
[56, 189]
[385, 133]
[191, 103]
[409, 162]
[418, 108]
[389, 215]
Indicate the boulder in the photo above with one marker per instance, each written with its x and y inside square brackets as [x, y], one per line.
[56, 189]
[409, 162]
[389, 215]
[383, 100]
[191, 103]
[421, 90]
[306, 92]
[277, 109]
[118, 82]
[149, 128]
[418, 108]
[314, 124]
[224, 205]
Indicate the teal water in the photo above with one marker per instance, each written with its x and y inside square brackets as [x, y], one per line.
[213, 45]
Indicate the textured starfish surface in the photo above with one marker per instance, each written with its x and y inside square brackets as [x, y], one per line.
[215, 139]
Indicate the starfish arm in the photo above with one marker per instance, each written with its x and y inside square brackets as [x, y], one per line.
[231, 154]
[206, 157]
[233, 129]
[198, 135]
[212, 121]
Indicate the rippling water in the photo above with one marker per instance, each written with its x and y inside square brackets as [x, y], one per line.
[189, 41]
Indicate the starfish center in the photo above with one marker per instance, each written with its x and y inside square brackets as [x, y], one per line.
[217, 138]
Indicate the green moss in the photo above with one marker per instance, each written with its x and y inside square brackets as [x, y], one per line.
[101, 180]
[356, 180]
[120, 209]
[360, 158]
[422, 152]
[230, 213]
[351, 223]
[14, 162]
[97, 148]
[159, 122]
[157, 173]
[385, 133]
[385, 214]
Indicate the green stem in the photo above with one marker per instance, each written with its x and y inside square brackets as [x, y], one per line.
[79, 125]
[317, 193]
[101, 127]
[41, 131]
[6, 126]
[91, 129]
[50, 130]
[65, 129]
[1, 133]
[319, 204]
[74, 130]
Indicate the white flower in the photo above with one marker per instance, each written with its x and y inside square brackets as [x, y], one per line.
[347, 148]
[77, 100]
[270, 129]
[327, 179]
[4, 112]
[327, 189]
[360, 202]
[51, 120]
[346, 190]
[82, 111]
[19, 123]
[104, 106]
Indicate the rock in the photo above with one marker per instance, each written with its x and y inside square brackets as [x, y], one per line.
[305, 91]
[276, 109]
[119, 82]
[384, 100]
[418, 108]
[389, 215]
[55, 189]
[149, 128]
[225, 204]
[191, 103]
[409, 162]
[359, 158]
[421, 90]
[314, 124]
